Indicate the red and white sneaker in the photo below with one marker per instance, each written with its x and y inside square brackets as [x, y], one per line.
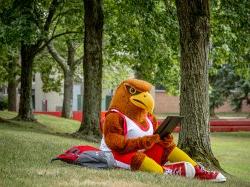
[180, 168]
[203, 174]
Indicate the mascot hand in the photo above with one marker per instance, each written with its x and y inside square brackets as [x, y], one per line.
[168, 142]
[148, 141]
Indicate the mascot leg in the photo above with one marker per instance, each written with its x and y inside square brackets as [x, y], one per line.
[177, 155]
[143, 163]
[150, 165]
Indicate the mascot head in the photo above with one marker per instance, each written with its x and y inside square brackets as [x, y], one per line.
[132, 97]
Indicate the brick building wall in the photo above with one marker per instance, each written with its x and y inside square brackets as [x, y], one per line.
[227, 108]
[165, 103]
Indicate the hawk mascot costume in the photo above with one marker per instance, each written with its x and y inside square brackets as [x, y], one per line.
[128, 132]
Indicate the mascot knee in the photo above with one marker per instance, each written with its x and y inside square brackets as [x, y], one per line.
[137, 160]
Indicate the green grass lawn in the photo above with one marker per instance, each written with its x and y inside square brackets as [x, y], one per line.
[26, 150]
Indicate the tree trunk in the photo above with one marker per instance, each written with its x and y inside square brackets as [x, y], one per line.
[212, 113]
[68, 81]
[68, 95]
[92, 64]
[27, 58]
[194, 25]
[12, 85]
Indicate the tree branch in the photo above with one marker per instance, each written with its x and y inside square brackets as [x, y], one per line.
[67, 12]
[52, 10]
[78, 61]
[57, 18]
[53, 37]
[55, 54]
[18, 80]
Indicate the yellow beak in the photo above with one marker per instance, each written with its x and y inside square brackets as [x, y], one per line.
[143, 100]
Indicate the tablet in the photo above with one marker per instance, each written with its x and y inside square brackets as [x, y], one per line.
[168, 125]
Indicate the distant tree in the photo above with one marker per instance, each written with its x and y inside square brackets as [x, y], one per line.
[68, 66]
[30, 49]
[226, 84]
[68, 52]
[194, 22]
[216, 99]
[240, 94]
[32, 26]
[9, 56]
[13, 80]
[10, 73]
[222, 80]
[33, 21]
[92, 65]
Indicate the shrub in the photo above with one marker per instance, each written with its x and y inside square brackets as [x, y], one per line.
[3, 102]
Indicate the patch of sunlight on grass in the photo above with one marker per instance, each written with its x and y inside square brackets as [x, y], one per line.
[7, 114]
[233, 150]
[61, 125]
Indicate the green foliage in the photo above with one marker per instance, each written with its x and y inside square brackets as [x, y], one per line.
[230, 34]
[216, 98]
[52, 80]
[240, 93]
[9, 63]
[227, 84]
[3, 65]
[21, 22]
[3, 74]
[144, 35]
[3, 102]
[114, 74]
[51, 74]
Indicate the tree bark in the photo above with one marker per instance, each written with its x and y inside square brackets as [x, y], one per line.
[92, 64]
[12, 85]
[194, 17]
[27, 58]
[67, 95]
[68, 81]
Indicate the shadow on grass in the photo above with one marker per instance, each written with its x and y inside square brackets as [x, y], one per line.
[35, 126]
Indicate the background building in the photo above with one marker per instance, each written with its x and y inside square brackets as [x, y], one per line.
[52, 101]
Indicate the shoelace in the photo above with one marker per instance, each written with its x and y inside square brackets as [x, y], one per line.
[206, 171]
[173, 172]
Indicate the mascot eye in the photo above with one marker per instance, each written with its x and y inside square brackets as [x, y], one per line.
[132, 91]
